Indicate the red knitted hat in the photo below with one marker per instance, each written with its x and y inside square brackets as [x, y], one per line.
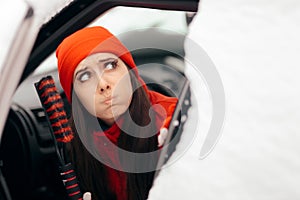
[83, 43]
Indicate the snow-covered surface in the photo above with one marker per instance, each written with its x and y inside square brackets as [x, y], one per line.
[255, 46]
[44, 9]
[18, 31]
[11, 16]
[10, 25]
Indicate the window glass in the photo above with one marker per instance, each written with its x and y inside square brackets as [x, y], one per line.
[122, 19]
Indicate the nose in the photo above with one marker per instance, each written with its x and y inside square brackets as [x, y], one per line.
[103, 86]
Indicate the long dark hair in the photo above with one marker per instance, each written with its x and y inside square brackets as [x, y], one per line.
[90, 171]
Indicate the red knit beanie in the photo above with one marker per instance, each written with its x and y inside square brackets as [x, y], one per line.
[83, 43]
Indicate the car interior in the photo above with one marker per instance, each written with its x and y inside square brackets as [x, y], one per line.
[28, 163]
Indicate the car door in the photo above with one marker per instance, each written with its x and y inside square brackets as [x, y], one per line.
[31, 41]
[17, 24]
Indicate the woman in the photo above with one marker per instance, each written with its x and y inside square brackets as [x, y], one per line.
[114, 116]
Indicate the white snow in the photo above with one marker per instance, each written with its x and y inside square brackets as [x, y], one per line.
[255, 46]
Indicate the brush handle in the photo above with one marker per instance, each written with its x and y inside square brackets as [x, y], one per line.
[70, 181]
[62, 132]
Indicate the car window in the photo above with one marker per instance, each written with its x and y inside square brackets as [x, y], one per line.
[160, 27]
[136, 18]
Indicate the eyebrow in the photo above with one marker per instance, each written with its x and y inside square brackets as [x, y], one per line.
[102, 60]
[80, 71]
[107, 59]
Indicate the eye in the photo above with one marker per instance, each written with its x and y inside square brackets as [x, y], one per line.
[111, 65]
[84, 76]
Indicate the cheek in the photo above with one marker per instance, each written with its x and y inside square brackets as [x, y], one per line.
[123, 89]
[86, 97]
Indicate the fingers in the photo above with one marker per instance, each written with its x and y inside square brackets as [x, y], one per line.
[163, 133]
[87, 196]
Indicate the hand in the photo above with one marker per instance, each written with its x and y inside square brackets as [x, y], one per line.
[163, 132]
[87, 196]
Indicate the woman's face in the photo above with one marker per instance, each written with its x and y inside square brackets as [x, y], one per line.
[102, 83]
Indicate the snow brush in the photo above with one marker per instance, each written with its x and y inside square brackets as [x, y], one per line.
[61, 132]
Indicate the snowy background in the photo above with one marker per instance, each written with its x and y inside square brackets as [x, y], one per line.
[255, 46]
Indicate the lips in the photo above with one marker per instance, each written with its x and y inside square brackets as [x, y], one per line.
[108, 100]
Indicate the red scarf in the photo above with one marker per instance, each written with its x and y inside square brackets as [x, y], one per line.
[105, 139]
[117, 179]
